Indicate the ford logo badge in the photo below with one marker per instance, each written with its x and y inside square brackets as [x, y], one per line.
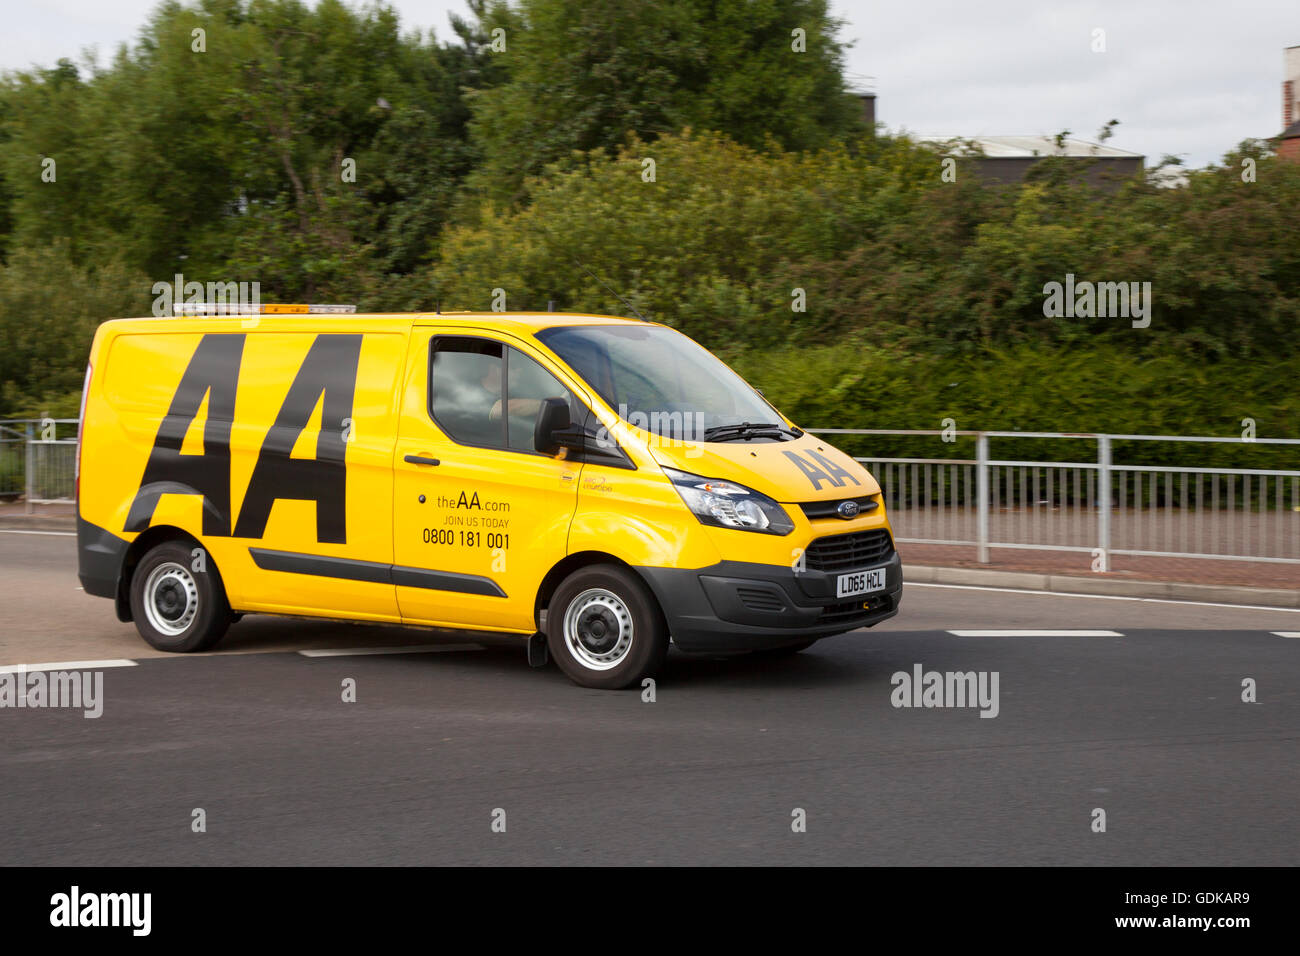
[847, 509]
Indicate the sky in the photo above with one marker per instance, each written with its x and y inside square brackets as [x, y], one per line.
[1187, 77]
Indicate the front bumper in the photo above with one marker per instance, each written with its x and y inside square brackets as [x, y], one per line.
[736, 606]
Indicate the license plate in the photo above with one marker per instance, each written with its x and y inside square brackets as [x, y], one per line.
[860, 582]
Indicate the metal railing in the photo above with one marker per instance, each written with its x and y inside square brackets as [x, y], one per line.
[38, 460]
[1099, 506]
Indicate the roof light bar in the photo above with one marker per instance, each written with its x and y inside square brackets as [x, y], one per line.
[236, 308]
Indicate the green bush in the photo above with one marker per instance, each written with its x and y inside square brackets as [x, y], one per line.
[1103, 387]
[49, 310]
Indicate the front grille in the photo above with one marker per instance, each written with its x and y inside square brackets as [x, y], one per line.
[862, 607]
[758, 599]
[816, 510]
[845, 552]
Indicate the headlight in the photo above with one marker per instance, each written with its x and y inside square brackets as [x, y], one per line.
[726, 504]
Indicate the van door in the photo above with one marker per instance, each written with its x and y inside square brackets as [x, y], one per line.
[480, 515]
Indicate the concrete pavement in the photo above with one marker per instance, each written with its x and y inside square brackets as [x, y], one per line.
[1148, 727]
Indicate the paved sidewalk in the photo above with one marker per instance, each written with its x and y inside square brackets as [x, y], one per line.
[1264, 584]
[60, 516]
[1200, 571]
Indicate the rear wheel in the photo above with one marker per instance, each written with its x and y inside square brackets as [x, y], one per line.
[175, 607]
[605, 629]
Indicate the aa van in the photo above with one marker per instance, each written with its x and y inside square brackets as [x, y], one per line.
[601, 487]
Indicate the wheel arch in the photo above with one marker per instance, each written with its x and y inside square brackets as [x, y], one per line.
[570, 563]
[145, 542]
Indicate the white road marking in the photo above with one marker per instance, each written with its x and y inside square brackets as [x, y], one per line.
[1101, 597]
[65, 666]
[1287, 633]
[61, 534]
[414, 649]
[1035, 633]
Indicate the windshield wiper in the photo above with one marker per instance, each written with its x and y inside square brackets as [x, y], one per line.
[748, 430]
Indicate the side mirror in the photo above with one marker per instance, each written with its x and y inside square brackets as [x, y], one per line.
[552, 417]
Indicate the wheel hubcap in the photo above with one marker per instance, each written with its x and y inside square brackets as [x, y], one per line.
[171, 599]
[598, 629]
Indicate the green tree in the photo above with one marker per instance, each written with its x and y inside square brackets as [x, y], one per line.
[716, 246]
[585, 76]
[222, 155]
[49, 310]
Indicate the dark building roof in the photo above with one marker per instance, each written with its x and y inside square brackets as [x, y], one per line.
[1292, 131]
[1034, 147]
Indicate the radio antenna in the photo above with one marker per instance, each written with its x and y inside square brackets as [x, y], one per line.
[611, 291]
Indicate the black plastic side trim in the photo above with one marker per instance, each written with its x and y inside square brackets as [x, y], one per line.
[349, 569]
[322, 566]
[405, 577]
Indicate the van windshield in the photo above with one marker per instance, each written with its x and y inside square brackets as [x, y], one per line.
[660, 380]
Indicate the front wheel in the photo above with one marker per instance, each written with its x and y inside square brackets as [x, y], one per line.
[176, 607]
[605, 629]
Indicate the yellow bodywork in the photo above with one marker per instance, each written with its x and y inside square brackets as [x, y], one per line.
[534, 510]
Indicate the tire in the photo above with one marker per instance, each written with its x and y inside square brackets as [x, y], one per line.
[174, 607]
[605, 629]
[789, 650]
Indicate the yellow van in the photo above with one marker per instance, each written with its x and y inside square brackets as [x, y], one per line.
[602, 486]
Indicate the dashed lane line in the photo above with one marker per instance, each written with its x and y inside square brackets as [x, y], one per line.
[1011, 632]
[66, 666]
[1102, 597]
[318, 652]
[445, 648]
[414, 649]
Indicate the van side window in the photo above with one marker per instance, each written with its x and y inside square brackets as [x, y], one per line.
[527, 385]
[466, 387]
[484, 393]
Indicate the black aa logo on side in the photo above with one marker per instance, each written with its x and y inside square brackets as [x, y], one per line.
[213, 372]
[330, 368]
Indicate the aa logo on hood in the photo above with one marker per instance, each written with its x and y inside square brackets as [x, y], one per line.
[829, 472]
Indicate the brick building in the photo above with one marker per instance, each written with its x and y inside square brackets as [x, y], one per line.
[1288, 144]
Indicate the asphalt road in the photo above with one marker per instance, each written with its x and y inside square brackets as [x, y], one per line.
[1149, 727]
